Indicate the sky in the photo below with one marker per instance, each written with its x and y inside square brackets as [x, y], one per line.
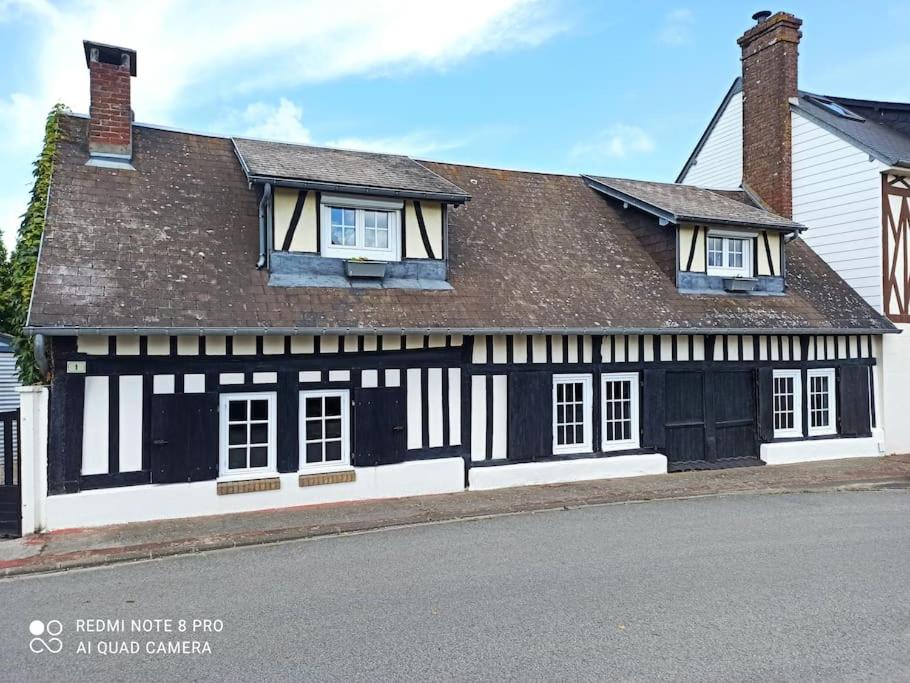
[603, 87]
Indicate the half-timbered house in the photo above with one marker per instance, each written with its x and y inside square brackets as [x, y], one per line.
[840, 166]
[233, 324]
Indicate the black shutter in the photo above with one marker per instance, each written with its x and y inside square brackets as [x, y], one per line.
[380, 426]
[853, 400]
[653, 408]
[765, 404]
[530, 415]
[184, 432]
[288, 421]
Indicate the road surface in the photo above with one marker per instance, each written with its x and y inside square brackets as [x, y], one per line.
[802, 586]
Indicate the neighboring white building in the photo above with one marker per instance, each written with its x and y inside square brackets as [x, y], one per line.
[847, 180]
[9, 376]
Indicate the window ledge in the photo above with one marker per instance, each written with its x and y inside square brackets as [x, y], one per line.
[231, 486]
[340, 476]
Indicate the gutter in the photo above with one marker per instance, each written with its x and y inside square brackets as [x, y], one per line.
[359, 189]
[324, 331]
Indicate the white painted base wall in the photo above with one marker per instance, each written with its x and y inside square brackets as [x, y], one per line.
[562, 471]
[896, 390]
[822, 449]
[170, 501]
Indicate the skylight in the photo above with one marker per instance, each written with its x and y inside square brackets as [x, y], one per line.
[835, 108]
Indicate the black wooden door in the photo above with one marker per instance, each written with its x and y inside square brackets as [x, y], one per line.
[684, 407]
[732, 432]
[10, 488]
[184, 437]
[530, 415]
[380, 426]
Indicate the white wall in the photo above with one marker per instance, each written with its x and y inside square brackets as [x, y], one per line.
[171, 501]
[788, 452]
[560, 471]
[837, 195]
[719, 164]
[895, 378]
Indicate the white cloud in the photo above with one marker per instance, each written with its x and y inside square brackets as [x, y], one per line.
[191, 55]
[617, 142]
[283, 122]
[677, 28]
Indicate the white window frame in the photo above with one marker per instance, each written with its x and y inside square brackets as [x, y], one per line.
[587, 413]
[345, 462]
[797, 430]
[360, 204]
[634, 414]
[224, 401]
[831, 427]
[748, 240]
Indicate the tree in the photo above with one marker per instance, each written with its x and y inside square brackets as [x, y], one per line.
[17, 275]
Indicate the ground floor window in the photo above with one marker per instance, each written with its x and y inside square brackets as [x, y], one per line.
[620, 411]
[247, 433]
[787, 407]
[324, 429]
[572, 413]
[822, 402]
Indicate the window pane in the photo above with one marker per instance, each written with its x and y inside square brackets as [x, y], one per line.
[369, 219]
[236, 435]
[314, 452]
[259, 433]
[333, 429]
[237, 410]
[369, 238]
[314, 407]
[313, 430]
[332, 451]
[259, 409]
[382, 220]
[333, 405]
[259, 456]
[237, 458]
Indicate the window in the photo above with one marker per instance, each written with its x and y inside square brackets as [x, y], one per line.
[729, 255]
[247, 433]
[787, 408]
[620, 411]
[324, 429]
[822, 402]
[354, 227]
[572, 414]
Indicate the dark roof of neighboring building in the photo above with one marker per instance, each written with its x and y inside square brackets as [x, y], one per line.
[881, 128]
[171, 247]
[677, 203]
[883, 132]
[343, 170]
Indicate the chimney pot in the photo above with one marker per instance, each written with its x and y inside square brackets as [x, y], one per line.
[761, 15]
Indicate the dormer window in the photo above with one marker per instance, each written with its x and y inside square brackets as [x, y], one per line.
[354, 227]
[729, 254]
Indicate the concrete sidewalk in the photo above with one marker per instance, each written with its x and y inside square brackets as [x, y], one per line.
[89, 547]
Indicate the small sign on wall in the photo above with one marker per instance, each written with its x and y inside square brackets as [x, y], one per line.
[75, 367]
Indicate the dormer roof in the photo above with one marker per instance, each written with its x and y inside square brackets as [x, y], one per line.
[675, 203]
[340, 170]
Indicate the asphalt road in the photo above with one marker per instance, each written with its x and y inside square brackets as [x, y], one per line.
[785, 587]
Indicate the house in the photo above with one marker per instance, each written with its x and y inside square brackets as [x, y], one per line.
[839, 166]
[236, 324]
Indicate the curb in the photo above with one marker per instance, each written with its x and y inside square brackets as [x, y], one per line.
[123, 554]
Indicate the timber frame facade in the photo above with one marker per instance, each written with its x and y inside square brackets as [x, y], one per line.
[294, 325]
[895, 247]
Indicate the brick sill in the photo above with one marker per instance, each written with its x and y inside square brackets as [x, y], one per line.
[322, 478]
[248, 485]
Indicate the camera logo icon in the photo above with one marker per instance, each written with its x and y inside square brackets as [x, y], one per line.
[45, 636]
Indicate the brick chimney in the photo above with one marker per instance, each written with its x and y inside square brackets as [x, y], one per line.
[769, 81]
[111, 118]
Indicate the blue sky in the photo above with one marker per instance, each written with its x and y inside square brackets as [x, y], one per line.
[616, 88]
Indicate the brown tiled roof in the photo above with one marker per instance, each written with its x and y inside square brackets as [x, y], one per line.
[173, 245]
[687, 203]
[323, 166]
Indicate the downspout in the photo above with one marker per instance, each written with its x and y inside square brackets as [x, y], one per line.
[40, 351]
[265, 206]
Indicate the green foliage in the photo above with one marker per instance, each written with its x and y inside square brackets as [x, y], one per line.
[17, 274]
